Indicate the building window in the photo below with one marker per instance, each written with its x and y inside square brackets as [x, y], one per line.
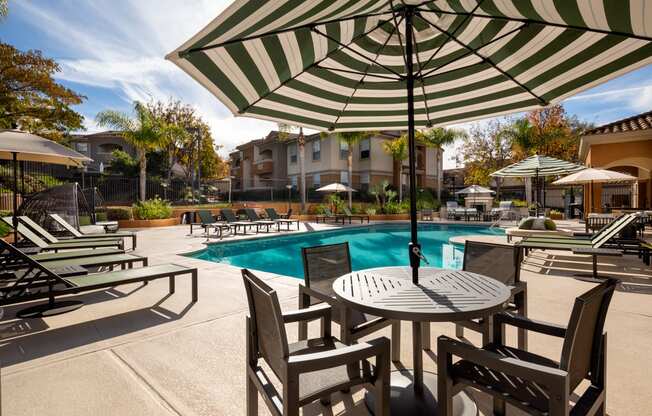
[344, 177]
[294, 181]
[293, 153]
[316, 180]
[364, 181]
[81, 147]
[365, 146]
[316, 150]
[344, 150]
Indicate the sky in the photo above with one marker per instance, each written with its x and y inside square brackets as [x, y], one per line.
[112, 52]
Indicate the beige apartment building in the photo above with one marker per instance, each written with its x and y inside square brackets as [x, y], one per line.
[270, 162]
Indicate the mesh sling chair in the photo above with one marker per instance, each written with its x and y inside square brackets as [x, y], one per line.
[51, 239]
[310, 369]
[502, 263]
[350, 216]
[78, 234]
[234, 222]
[533, 383]
[321, 266]
[274, 216]
[254, 218]
[208, 222]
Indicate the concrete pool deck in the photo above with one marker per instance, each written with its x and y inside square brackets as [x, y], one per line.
[134, 350]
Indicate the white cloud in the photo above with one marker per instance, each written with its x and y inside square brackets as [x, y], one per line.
[636, 99]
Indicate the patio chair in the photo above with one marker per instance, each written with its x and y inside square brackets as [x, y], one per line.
[51, 239]
[451, 210]
[63, 245]
[349, 215]
[530, 382]
[308, 370]
[328, 215]
[499, 262]
[234, 222]
[208, 222]
[253, 217]
[504, 211]
[321, 266]
[78, 234]
[274, 216]
[426, 215]
[39, 281]
[471, 214]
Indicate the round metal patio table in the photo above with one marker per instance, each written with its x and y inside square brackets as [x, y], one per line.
[442, 295]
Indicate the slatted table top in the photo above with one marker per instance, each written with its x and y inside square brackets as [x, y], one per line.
[441, 295]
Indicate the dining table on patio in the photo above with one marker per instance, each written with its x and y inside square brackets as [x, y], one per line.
[442, 295]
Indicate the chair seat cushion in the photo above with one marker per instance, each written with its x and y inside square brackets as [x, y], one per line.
[332, 378]
[526, 393]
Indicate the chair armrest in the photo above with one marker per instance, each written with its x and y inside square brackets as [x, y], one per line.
[341, 356]
[530, 324]
[509, 365]
[322, 311]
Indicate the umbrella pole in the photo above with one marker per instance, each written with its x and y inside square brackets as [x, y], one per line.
[414, 247]
[15, 173]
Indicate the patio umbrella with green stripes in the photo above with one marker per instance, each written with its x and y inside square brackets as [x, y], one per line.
[342, 65]
[535, 167]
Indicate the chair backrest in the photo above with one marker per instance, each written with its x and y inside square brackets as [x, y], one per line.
[505, 205]
[252, 214]
[323, 264]
[582, 348]
[347, 211]
[205, 216]
[27, 233]
[327, 211]
[66, 225]
[613, 229]
[498, 261]
[289, 214]
[267, 329]
[228, 215]
[451, 204]
[38, 229]
[272, 214]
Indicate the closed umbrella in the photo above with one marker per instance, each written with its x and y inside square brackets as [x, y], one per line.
[18, 146]
[593, 175]
[382, 64]
[535, 167]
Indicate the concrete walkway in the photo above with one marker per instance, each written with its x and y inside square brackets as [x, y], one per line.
[134, 350]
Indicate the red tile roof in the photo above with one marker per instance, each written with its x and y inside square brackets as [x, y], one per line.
[639, 122]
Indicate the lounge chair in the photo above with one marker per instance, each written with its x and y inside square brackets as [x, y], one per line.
[531, 382]
[78, 234]
[39, 282]
[64, 245]
[349, 215]
[208, 222]
[505, 211]
[254, 218]
[75, 254]
[321, 266]
[451, 210]
[307, 370]
[274, 216]
[51, 239]
[234, 222]
[502, 263]
[328, 215]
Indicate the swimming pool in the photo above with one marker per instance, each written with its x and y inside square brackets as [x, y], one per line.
[371, 246]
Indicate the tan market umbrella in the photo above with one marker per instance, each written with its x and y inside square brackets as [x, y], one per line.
[335, 187]
[593, 175]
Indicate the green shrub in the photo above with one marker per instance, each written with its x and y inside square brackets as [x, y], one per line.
[371, 211]
[84, 220]
[321, 209]
[519, 203]
[4, 228]
[116, 214]
[550, 224]
[152, 209]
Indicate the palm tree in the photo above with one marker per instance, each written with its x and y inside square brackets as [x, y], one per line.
[438, 138]
[284, 134]
[398, 149]
[143, 131]
[351, 138]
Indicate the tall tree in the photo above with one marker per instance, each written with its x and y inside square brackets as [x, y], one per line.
[284, 131]
[30, 99]
[352, 138]
[143, 131]
[4, 8]
[439, 137]
[398, 149]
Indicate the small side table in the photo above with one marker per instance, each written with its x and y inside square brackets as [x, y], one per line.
[594, 253]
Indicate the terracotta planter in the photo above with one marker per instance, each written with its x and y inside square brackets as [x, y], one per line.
[166, 222]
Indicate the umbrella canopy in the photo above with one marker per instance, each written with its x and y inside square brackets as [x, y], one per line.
[335, 187]
[537, 166]
[382, 64]
[592, 175]
[475, 190]
[30, 147]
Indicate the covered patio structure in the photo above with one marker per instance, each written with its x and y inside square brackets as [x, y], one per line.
[624, 146]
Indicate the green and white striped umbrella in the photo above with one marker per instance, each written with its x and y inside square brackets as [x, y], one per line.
[538, 166]
[341, 64]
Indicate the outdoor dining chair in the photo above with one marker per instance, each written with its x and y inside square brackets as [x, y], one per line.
[533, 383]
[321, 266]
[308, 370]
[499, 262]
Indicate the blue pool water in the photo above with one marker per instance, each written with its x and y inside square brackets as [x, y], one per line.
[372, 246]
